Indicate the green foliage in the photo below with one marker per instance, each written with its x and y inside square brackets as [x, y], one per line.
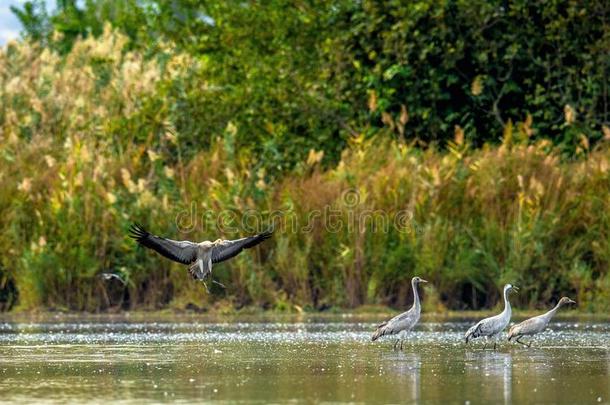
[476, 64]
[257, 65]
[261, 66]
[260, 108]
[34, 19]
[70, 21]
[315, 74]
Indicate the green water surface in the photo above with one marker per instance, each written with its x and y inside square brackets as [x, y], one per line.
[298, 360]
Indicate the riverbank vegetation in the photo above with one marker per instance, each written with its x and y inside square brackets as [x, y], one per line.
[371, 169]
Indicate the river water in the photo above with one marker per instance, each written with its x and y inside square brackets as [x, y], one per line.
[300, 360]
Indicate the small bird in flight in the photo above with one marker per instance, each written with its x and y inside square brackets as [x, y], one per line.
[200, 256]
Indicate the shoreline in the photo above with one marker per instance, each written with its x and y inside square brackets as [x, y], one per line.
[249, 314]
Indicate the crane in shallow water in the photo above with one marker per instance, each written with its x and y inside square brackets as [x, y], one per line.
[491, 327]
[535, 325]
[403, 323]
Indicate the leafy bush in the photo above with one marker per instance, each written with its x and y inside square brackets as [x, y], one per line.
[319, 73]
[427, 66]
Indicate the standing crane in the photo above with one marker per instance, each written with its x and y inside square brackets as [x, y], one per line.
[491, 327]
[403, 323]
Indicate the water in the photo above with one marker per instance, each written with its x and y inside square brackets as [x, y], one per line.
[307, 359]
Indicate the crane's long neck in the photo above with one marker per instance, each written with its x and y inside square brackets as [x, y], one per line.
[416, 304]
[507, 310]
[552, 312]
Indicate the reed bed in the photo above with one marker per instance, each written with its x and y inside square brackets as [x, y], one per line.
[89, 144]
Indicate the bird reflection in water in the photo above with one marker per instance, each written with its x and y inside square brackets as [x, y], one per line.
[408, 366]
[495, 368]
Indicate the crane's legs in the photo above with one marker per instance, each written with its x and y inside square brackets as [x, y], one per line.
[401, 342]
[191, 269]
[523, 343]
[213, 281]
[487, 341]
[396, 343]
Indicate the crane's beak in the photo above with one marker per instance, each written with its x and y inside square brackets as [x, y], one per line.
[421, 280]
[516, 289]
[571, 302]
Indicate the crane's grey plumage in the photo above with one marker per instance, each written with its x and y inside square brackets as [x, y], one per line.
[535, 325]
[491, 327]
[401, 324]
[200, 256]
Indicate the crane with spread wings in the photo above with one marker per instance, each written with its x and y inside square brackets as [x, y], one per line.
[199, 256]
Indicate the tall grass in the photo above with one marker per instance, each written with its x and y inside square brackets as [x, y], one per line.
[88, 145]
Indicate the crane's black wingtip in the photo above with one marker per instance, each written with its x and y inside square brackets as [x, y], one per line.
[137, 231]
[266, 234]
